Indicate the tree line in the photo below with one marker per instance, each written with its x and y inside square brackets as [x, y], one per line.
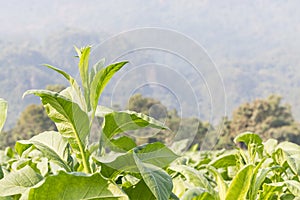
[267, 117]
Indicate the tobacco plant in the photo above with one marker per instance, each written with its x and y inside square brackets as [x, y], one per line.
[64, 165]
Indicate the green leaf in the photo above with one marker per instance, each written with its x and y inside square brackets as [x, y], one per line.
[259, 174]
[157, 180]
[118, 122]
[240, 185]
[290, 147]
[140, 191]
[248, 138]
[74, 92]
[222, 186]
[270, 146]
[50, 143]
[193, 177]
[294, 162]
[101, 79]
[71, 121]
[3, 113]
[19, 181]
[224, 161]
[156, 154]
[294, 187]
[84, 66]
[291, 155]
[75, 186]
[197, 193]
[122, 144]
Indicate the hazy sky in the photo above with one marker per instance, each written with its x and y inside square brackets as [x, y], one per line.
[246, 33]
[244, 28]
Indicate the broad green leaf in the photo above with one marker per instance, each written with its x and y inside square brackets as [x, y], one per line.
[224, 161]
[239, 186]
[197, 193]
[294, 162]
[74, 92]
[254, 144]
[248, 138]
[122, 144]
[71, 121]
[123, 162]
[290, 147]
[3, 113]
[221, 185]
[294, 187]
[118, 122]
[139, 191]
[157, 180]
[156, 154]
[65, 186]
[101, 79]
[291, 155]
[193, 177]
[19, 181]
[50, 143]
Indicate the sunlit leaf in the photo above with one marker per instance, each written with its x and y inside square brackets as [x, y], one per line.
[239, 186]
[66, 186]
[19, 181]
[101, 79]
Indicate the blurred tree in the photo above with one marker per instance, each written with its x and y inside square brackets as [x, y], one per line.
[266, 117]
[33, 120]
[56, 87]
[192, 128]
[148, 106]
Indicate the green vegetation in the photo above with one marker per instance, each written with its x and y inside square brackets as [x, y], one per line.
[266, 170]
[63, 164]
[65, 158]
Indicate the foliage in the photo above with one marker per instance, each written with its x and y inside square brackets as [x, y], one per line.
[267, 170]
[266, 117]
[64, 165]
[67, 162]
